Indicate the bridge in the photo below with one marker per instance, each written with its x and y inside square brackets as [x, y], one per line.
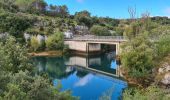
[91, 43]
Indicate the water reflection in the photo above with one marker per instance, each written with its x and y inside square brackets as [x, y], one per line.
[83, 81]
[83, 74]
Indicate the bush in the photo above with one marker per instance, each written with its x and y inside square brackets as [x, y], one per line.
[17, 80]
[137, 57]
[55, 41]
[14, 24]
[23, 85]
[100, 31]
[163, 46]
[150, 93]
[13, 56]
[34, 43]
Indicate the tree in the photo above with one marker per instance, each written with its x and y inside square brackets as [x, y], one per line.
[59, 11]
[133, 29]
[14, 24]
[132, 13]
[32, 6]
[63, 11]
[99, 30]
[24, 4]
[8, 5]
[55, 41]
[84, 17]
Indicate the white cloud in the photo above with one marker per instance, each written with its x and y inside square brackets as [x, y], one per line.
[85, 80]
[80, 1]
[167, 10]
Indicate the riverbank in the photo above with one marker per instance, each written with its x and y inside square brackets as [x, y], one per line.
[136, 82]
[160, 75]
[46, 53]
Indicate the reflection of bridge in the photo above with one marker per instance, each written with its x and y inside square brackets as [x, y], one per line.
[90, 43]
[93, 65]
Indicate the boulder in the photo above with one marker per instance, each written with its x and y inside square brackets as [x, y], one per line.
[164, 69]
[166, 79]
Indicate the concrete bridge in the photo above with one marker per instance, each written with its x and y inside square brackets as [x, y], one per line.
[91, 43]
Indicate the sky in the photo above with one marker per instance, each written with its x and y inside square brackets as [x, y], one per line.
[116, 8]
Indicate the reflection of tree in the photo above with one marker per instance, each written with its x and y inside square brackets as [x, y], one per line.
[40, 63]
[56, 68]
[107, 95]
[81, 73]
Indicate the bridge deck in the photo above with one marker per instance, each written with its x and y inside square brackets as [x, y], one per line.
[98, 38]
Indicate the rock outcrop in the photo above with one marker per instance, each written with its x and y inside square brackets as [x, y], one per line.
[166, 79]
[164, 69]
[165, 72]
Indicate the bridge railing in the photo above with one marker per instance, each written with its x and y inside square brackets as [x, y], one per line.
[97, 38]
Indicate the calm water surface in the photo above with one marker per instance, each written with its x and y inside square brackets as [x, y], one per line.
[89, 77]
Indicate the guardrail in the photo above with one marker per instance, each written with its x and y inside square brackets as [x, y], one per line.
[97, 38]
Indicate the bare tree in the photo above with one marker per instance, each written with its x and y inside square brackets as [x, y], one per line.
[145, 15]
[146, 19]
[132, 13]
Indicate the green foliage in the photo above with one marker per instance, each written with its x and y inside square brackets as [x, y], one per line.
[99, 30]
[14, 24]
[14, 93]
[150, 93]
[161, 20]
[34, 43]
[32, 6]
[8, 5]
[13, 56]
[133, 30]
[84, 18]
[24, 4]
[55, 41]
[163, 46]
[22, 85]
[17, 81]
[137, 56]
[159, 31]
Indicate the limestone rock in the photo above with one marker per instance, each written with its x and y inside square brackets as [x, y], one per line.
[166, 79]
[165, 68]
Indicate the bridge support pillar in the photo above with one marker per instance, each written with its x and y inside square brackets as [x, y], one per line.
[87, 48]
[117, 48]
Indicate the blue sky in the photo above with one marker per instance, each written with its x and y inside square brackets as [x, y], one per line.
[116, 8]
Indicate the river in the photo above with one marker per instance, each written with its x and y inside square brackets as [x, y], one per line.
[88, 77]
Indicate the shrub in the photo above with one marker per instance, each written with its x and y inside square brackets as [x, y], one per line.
[55, 41]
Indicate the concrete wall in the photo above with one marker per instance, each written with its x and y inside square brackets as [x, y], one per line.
[76, 45]
[94, 47]
[83, 46]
